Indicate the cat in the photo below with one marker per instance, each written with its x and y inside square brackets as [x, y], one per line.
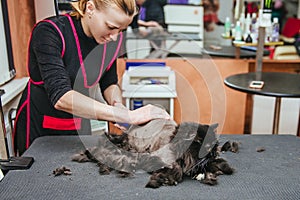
[162, 148]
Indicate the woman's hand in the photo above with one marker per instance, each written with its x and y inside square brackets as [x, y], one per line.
[148, 23]
[147, 113]
[77, 104]
[121, 126]
[141, 115]
[119, 105]
[152, 24]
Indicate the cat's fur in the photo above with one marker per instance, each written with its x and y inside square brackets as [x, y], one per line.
[167, 151]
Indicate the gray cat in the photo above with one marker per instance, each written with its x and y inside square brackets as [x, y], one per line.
[164, 149]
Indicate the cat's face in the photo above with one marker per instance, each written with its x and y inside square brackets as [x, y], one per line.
[205, 140]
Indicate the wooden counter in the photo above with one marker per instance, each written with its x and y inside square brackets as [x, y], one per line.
[291, 66]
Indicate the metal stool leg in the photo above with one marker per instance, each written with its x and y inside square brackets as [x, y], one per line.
[298, 131]
[276, 115]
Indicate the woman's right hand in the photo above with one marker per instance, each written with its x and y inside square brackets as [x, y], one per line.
[146, 114]
[152, 24]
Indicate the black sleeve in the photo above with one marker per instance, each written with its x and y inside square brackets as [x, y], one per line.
[46, 44]
[157, 2]
[163, 2]
[109, 78]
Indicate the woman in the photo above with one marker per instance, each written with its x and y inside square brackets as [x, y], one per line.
[67, 55]
[155, 11]
[153, 18]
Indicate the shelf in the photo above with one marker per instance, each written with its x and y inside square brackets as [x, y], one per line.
[12, 89]
[227, 37]
[240, 44]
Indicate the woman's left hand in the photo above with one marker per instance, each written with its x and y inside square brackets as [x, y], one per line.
[121, 126]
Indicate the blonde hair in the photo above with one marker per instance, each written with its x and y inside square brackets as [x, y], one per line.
[128, 6]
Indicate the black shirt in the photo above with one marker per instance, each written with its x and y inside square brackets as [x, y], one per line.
[155, 11]
[60, 73]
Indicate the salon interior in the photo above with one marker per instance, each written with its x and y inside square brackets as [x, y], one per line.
[235, 63]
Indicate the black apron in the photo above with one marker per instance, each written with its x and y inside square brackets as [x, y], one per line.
[36, 116]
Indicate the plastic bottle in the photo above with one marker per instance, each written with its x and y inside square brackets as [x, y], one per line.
[268, 34]
[275, 30]
[227, 27]
[254, 18]
[254, 28]
[137, 103]
[247, 25]
[269, 30]
[238, 31]
[242, 23]
[248, 38]
[194, 2]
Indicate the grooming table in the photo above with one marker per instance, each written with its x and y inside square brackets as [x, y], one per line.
[271, 174]
[163, 51]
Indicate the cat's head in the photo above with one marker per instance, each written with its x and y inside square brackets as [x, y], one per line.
[204, 141]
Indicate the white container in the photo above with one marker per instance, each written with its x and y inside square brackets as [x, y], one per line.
[238, 31]
[275, 30]
[254, 28]
[227, 27]
[247, 25]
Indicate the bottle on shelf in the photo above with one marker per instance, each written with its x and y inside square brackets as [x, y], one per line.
[248, 38]
[275, 30]
[247, 26]
[232, 30]
[238, 31]
[137, 103]
[254, 28]
[227, 27]
[268, 37]
[242, 22]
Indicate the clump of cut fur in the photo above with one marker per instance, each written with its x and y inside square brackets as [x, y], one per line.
[164, 149]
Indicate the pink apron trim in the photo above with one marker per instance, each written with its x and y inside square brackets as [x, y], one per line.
[61, 36]
[101, 68]
[36, 82]
[62, 39]
[61, 124]
[28, 116]
[81, 60]
[17, 117]
[116, 52]
[103, 56]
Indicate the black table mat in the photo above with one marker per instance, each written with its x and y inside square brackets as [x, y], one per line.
[271, 174]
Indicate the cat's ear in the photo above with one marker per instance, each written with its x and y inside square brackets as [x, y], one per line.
[213, 127]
